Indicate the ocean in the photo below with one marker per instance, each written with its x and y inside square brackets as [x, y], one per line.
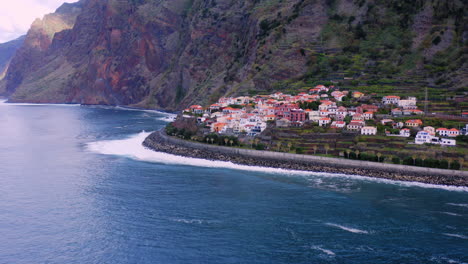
[77, 186]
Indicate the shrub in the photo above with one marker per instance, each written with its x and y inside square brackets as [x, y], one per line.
[443, 164]
[455, 165]
[396, 160]
[299, 150]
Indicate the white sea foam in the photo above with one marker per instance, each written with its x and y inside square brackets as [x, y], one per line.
[459, 205]
[132, 148]
[446, 260]
[326, 251]
[450, 213]
[349, 229]
[455, 235]
[166, 114]
[193, 221]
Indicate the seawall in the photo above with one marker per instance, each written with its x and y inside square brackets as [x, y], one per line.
[159, 141]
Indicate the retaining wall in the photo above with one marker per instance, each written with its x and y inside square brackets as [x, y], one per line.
[313, 159]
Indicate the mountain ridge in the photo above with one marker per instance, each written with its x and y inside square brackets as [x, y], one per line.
[170, 54]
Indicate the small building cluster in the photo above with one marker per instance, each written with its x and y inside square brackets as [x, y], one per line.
[250, 114]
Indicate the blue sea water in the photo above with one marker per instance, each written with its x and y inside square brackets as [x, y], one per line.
[76, 186]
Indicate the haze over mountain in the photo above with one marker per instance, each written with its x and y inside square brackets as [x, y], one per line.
[170, 54]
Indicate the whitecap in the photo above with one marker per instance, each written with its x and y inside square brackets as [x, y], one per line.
[455, 235]
[445, 260]
[132, 147]
[326, 251]
[349, 229]
[459, 205]
[193, 221]
[450, 213]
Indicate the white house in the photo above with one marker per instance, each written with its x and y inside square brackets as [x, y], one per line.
[324, 121]
[391, 99]
[368, 130]
[368, 115]
[355, 125]
[424, 137]
[409, 103]
[442, 131]
[448, 142]
[405, 132]
[453, 132]
[338, 124]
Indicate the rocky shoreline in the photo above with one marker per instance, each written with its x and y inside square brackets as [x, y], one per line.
[160, 142]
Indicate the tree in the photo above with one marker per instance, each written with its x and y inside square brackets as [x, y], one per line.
[461, 160]
[423, 158]
[327, 148]
[289, 146]
[226, 141]
[278, 145]
[231, 141]
[207, 140]
[414, 157]
[449, 161]
[357, 154]
[348, 152]
[378, 156]
[315, 147]
[212, 140]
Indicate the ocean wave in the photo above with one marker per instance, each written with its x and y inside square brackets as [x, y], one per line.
[446, 260]
[349, 229]
[192, 221]
[145, 110]
[132, 148]
[455, 235]
[326, 251]
[459, 205]
[450, 213]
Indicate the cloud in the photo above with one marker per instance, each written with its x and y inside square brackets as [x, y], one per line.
[16, 16]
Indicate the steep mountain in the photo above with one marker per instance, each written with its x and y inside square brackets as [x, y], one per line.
[172, 53]
[7, 50]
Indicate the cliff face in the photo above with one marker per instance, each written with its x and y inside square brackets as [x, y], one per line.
[7, 50]
[169, 54]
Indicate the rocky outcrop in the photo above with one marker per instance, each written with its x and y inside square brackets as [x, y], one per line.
[170, 54]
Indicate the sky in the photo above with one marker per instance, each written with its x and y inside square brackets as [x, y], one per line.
[16, 16]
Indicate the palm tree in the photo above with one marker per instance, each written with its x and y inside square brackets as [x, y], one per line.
[390, 158]
[327, 148]
[357, 154]
[278, 145]
[414, 157]
[424, 157]
[211, 139]
[378, 156]
[231, 141]
[226, 141]
[449, 161]
[461, 160]
[348, 152]
[315, 147]
[256, 140]
[207, 140]
[289, 146]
